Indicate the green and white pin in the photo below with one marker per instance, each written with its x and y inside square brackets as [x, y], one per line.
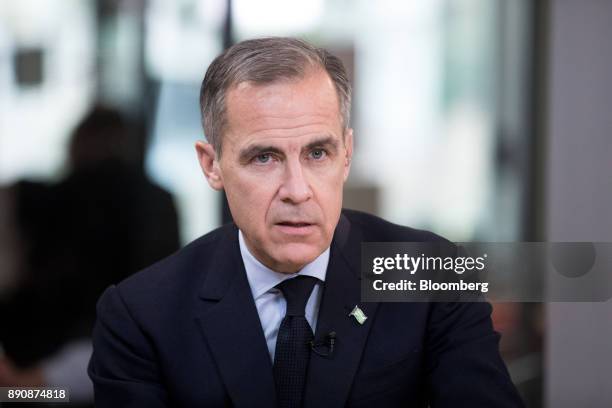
[358, 314]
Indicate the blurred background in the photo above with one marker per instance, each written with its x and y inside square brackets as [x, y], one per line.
[482, 120]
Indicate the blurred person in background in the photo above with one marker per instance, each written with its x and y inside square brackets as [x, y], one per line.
[102, 222]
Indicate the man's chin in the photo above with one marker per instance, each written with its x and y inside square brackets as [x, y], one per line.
[295, 256]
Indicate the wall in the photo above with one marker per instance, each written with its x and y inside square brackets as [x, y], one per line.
[578, 362]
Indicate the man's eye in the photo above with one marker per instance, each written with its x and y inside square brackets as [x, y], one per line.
[318, 154]
[263, 158]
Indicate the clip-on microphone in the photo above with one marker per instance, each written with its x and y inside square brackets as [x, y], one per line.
[329, 342]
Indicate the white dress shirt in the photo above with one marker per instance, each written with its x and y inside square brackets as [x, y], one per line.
[270, 303]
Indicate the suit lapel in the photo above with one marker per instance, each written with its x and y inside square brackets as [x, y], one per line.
[231, 328]
[330, 378]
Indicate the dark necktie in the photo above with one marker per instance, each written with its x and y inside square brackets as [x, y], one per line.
[293, 342]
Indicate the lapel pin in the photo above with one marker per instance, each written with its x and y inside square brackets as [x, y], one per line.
[358, 314]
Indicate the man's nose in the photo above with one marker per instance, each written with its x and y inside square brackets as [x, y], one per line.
[295, 187]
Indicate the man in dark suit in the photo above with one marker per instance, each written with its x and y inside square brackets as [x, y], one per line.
[266, 312]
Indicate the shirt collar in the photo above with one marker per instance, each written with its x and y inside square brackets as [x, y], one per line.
[262, 279]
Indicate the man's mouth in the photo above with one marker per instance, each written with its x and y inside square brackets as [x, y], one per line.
[294, 224]
[295, 228]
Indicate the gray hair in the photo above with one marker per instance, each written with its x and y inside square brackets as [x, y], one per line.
[265, 61]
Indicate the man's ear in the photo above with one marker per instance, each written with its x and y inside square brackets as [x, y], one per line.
[209, 164]
[348, 146]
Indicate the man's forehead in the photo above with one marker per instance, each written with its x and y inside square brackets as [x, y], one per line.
[315, 87]
[286, 114]
[315, 74]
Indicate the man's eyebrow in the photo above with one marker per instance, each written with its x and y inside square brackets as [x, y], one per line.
[255, 150]
[248, 153]
[329, 142]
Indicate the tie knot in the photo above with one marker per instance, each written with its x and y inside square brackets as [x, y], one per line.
[296, 292]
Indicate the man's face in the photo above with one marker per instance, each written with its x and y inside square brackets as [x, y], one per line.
[285, 159]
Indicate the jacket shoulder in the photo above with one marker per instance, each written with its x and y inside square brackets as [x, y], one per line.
[179, 272]
[376, 229]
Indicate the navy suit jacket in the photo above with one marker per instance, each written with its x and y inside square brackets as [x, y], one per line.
[185, 332]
